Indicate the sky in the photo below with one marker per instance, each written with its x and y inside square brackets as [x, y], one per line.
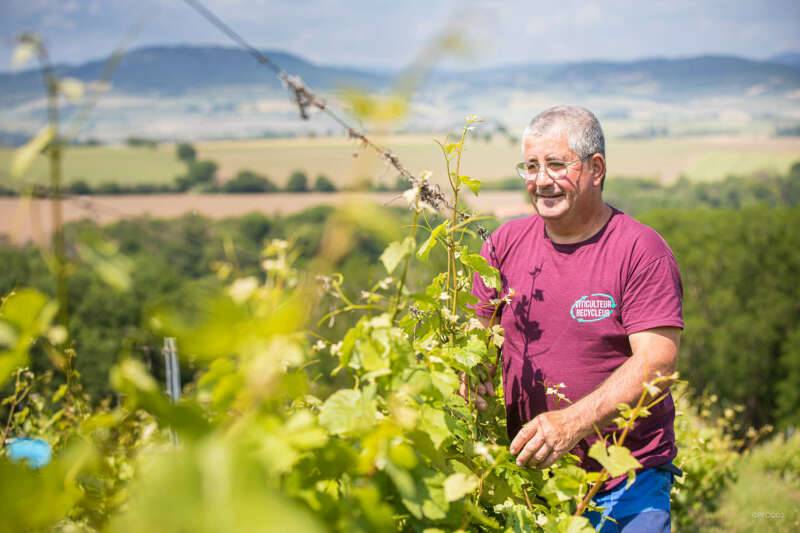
[387, 35]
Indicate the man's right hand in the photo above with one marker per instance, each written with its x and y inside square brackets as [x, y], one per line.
[479, 393]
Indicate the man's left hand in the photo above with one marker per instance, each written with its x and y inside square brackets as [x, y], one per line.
[544, 439]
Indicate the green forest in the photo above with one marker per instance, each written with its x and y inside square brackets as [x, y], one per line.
[740, 269]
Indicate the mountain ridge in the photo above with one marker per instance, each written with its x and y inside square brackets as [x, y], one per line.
[180, 69]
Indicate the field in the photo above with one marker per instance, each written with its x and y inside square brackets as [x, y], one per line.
[30, 220]
[663, 159]
[700, 158]
[99, 164]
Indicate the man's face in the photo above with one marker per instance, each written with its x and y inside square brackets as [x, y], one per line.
[556, 199]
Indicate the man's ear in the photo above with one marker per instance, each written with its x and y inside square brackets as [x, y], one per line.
[597, 164]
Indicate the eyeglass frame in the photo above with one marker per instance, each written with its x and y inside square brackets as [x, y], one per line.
[522, 167]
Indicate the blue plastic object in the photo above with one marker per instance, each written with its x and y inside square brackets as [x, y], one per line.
[36, 452]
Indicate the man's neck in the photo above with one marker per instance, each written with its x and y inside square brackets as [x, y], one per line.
[578, 230]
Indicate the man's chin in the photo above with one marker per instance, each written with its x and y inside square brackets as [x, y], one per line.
[552, 208]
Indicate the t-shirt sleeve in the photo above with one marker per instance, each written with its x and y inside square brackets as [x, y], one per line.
[483, 293]
[653, 297]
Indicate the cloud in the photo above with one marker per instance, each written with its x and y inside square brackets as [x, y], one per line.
[390, 34]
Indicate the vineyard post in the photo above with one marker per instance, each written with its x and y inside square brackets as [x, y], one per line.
[173, 375]
[54, 152]
[51, 140]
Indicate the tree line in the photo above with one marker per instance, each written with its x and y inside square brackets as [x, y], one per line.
[201, 177]
[639, 195]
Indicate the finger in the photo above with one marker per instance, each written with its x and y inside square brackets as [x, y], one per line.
[481, 389]
[540, 455]
[462, 389]
[551, 458]
[529, 451]
[480, 403]
[523, 436]
[492, 368]
[489, 387]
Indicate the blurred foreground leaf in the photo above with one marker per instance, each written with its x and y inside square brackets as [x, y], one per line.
[38, 499]
[140, 389]
[72, 88]
[24, 316]
[209, 488]
[24, 156]
[26, 49]
[369, 108]
[103, 256]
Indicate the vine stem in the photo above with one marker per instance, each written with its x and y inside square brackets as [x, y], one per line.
[348, 308]
[404, 275]
[604, 474]
[17, 400]
[455, 183]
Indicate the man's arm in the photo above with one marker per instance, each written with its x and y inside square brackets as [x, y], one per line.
[553, 433]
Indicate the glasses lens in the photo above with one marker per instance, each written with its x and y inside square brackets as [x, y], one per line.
[556, 169]
[530, 171]
[522, 171]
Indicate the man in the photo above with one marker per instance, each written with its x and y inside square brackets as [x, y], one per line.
[595, 313]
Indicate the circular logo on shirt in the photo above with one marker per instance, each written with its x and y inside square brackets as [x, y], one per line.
[593, 307]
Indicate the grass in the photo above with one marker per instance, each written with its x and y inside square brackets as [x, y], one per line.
[346, 163]
[702, 158]
[98, 164]
[759, 500]
[663, 159]
[342, 160]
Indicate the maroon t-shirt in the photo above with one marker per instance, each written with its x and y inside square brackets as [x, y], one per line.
[573, 307]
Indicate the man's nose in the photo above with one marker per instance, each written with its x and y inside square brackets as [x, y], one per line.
[542, 179]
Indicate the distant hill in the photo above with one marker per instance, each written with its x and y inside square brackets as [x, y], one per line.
[654, 78]
[791, 59]
[176, 70]
[180, 70]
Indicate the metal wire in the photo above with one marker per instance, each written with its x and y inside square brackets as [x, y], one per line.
[305, 98]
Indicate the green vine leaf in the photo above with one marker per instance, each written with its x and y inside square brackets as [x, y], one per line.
[346, 412]
[473, 184]
[396, 252]
[434, 423]
[449, 148]
[472, 354]
[429, 244]
[489, 274]
[616, 459]
[458, 485]
[570, 524]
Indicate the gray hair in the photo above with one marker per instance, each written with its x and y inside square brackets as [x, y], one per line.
[584, 134]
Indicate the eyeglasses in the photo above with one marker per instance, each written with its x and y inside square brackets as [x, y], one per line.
[557, 170]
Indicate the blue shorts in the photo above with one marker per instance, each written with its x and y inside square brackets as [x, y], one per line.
[642, 507]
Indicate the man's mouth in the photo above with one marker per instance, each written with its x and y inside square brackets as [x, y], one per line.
[549, 195]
